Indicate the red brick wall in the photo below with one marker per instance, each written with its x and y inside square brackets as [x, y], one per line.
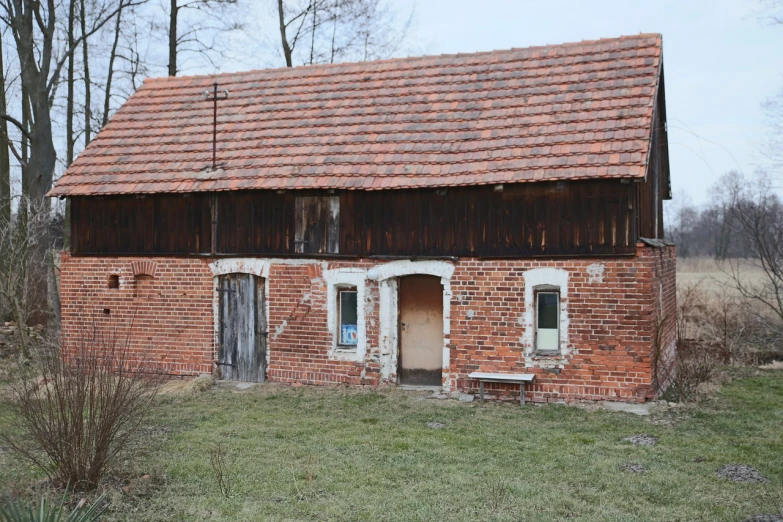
[171, 312]
[611, 333]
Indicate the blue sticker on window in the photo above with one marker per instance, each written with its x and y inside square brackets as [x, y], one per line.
[349, 334]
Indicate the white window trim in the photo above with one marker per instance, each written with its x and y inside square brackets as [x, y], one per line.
[543, 279]
[334, 279]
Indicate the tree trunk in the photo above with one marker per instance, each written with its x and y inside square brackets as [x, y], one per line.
[87, 86]
[69, 140]
[286, 48]
[312, 33]
[40, 168]
[173, 38]
[5, 160]
[69, 99]
[110, 72]
[21, 328]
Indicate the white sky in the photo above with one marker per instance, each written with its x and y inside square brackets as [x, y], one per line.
[722, 60]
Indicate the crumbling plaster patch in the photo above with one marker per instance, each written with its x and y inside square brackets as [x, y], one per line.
[536, 279]
[595, 273]
[387, 275]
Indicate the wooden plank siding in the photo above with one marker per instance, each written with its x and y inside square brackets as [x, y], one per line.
[524, 220]
[159, 224]
[656, 186]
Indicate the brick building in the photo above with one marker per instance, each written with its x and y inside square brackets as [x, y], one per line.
[406, 221]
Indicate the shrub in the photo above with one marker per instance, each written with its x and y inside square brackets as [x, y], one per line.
[79, 405]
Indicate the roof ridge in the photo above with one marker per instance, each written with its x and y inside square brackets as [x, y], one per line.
[300, 68]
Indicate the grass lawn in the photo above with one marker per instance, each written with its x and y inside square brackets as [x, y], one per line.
[345, 454]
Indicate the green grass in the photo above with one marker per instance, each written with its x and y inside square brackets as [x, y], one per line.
[343, 454]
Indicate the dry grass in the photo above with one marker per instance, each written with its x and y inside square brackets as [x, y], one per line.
[177, 387]
[711, 274]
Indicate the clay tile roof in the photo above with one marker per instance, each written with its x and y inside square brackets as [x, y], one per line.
[559, 112]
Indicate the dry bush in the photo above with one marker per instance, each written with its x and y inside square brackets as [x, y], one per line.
[691, 371]
[718, 320]
[25, 267]
[79, 403]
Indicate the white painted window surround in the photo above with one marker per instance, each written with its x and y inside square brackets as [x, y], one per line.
[342, 278]
[545, 280]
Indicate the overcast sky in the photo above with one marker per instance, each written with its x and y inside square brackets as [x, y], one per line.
[722, 60]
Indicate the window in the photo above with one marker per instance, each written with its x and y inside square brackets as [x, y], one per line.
[547, 321]
[345, 295]
[348, 314]
[114, 281]
[317, 225]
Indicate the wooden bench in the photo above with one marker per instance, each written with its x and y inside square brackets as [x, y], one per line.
[513, 378]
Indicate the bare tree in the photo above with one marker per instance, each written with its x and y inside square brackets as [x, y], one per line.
[23, 271]
[773, 148]
[339, 30]
[757, 214]
[110, 68]
[69, 103]
[33, 25]
[86, 72]
[681, 217]
[5, 160]
[773, 10]
[199, 32]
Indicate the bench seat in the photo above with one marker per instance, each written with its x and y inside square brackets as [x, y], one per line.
[513, 378]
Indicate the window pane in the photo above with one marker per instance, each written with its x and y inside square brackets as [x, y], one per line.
[348, 315]
[547, 310]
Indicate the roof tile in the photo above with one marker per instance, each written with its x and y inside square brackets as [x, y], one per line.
[571, 111]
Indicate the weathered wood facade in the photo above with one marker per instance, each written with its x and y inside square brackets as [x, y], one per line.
[602, 217]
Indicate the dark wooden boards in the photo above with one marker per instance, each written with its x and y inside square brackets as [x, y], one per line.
[524, 220]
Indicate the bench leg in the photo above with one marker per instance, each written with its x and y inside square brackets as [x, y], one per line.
[481, 390]
[522, 393]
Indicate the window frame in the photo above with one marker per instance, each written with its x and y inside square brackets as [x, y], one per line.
[536, 293]
[341, 289]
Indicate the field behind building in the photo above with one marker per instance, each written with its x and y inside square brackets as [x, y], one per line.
[714, 275]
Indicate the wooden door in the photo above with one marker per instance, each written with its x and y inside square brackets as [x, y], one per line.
[242, 352]
[421, 330]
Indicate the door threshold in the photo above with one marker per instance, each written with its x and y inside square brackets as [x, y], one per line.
[420, 387]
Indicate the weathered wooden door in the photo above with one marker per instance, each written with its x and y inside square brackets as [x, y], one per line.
[421, 330]
[242, 352]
